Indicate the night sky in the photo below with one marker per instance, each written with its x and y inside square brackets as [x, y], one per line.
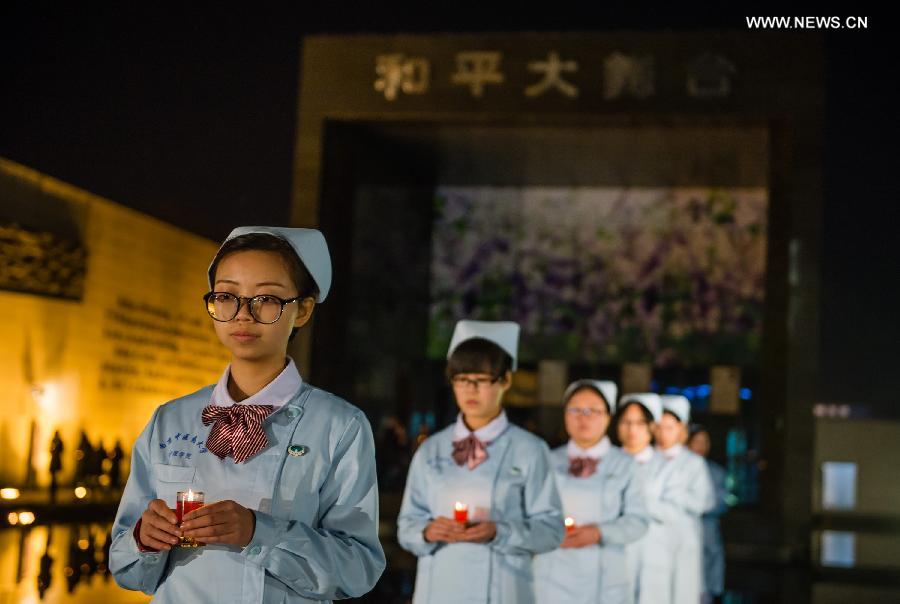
[191, 118]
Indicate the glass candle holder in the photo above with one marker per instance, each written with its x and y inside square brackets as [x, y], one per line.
[187, 501]
[461, 512]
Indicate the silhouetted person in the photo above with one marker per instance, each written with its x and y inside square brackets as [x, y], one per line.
[83, 455]
[104, 564]
[56, 451]
[45, 576]
[95, 465]
[115, 465]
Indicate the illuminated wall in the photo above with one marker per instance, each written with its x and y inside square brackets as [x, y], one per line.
[103, 319]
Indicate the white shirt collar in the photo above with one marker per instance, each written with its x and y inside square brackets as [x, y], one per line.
[486, 433]
[673, 451]
[277, 393]
[645, 455]
[595, 452]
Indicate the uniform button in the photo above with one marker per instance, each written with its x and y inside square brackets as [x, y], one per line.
[255, 550]
[292, 413]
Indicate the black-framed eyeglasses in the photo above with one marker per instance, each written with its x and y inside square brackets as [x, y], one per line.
[460, 381]
[265, 308]
[586, 411]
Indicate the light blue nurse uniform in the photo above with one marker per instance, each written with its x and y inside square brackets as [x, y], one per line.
[313, 491]
[613, 499]
[668, 560]
[514, 488]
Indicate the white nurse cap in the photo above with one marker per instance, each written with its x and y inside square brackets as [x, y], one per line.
[607, 390]
[678, 406]
[648, 400]
[504, 334]
[309, 244]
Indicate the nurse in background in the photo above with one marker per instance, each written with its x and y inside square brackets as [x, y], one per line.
[685, 494]
[713, 550]
[495, 475]
[602, 499]
[634, 425]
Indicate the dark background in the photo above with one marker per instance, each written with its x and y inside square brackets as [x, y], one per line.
[191, 118]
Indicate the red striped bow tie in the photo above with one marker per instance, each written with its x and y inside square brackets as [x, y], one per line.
[470, 451]
[237, 430]
[582, 467]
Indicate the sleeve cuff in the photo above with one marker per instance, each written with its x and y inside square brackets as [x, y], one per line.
[136, 533]
[502, 534]
[423, 545]
[265, 535]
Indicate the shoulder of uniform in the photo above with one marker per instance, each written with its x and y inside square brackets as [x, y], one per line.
[199, 398]
[523, 438]
[332, 404]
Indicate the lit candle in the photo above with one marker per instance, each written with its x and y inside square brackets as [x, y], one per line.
[570, 524]
[461, 512]
[187, 501]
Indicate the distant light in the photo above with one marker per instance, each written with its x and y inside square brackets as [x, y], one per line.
[746, 394]
[81, 492]
[83, 544]
[69, 571]
[689, 393]
[673, 390]
[26, 517]
[9, 493]
[703, 390]
[104, 480]
[12, 518]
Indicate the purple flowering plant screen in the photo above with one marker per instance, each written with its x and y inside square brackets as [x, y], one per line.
[672, 276]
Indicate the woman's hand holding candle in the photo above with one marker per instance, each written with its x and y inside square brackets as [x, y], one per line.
[159, 529]
[225, 522]
[444, 529]
[480, 532]
[582, 536]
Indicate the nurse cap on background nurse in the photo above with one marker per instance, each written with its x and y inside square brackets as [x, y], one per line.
[636, 420]
[606, 389]
[680, 407]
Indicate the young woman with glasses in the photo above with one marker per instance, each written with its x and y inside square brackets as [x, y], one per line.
[602, 501]
[480, 498]
[287, 470]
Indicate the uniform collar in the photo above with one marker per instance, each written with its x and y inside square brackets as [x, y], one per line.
[595, 452]
[644, 456]
[485, 434]
[673, 451]
[277, 393]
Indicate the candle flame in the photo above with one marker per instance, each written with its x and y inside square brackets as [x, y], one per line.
[460, 506]
[569, 521]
